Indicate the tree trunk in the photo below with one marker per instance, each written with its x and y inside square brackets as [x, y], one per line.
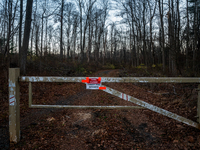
[137, 54]
[32, 41]
[20, 28]
[111, 43]
[41, 49]
[169, 35]
[7, 47]
[162, 33]
[36, 38]
[195, 36]
[90, 32]
[105, 47]
[177, 67]
[187, 42]
[61, 30]
[81, 30]
[144, 34]
[5, 26]
[46, 36]
[74, 39]
[27, 28]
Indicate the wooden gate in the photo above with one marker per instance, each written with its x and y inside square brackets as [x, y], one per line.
[14, 99]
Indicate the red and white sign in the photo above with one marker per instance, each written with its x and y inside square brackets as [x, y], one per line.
[93, 83]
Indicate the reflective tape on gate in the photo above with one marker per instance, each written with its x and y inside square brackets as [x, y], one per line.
[12, 100]
[125, 97]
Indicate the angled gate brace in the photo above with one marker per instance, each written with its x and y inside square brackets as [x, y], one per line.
[152, 107]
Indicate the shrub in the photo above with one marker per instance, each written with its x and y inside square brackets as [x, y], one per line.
[109, 66]
[141, 66]
[153, 66]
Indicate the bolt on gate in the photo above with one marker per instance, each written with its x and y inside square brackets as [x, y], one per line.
[14, 99]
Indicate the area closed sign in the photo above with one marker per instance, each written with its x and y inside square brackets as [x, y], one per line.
[93, 83]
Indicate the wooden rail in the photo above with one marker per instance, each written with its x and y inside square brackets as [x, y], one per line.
[113, 79]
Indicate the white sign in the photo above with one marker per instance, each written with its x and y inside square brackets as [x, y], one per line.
[93, 84]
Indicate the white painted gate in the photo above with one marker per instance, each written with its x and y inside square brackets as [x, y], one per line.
[14, 79]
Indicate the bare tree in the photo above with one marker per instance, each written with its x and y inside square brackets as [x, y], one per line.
[61, 29]
[26, 36]
[80, 5]
[160, 4]
[74, 33]
[20, 27]
[69, 13]
[150, 28]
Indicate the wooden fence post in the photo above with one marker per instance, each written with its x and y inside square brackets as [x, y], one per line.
[14, 111]
[198, 105]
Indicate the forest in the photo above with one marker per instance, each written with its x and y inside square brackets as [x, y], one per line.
[148, 49]
[122, 33]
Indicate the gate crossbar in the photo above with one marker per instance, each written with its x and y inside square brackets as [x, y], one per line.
[86, 107]
[113, 79]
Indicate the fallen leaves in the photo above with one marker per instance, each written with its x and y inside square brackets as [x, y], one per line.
[99, 131]
[175, 141]
[191, 139]
[51, 119]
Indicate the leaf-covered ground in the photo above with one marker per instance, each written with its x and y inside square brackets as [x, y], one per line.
[102, 129]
